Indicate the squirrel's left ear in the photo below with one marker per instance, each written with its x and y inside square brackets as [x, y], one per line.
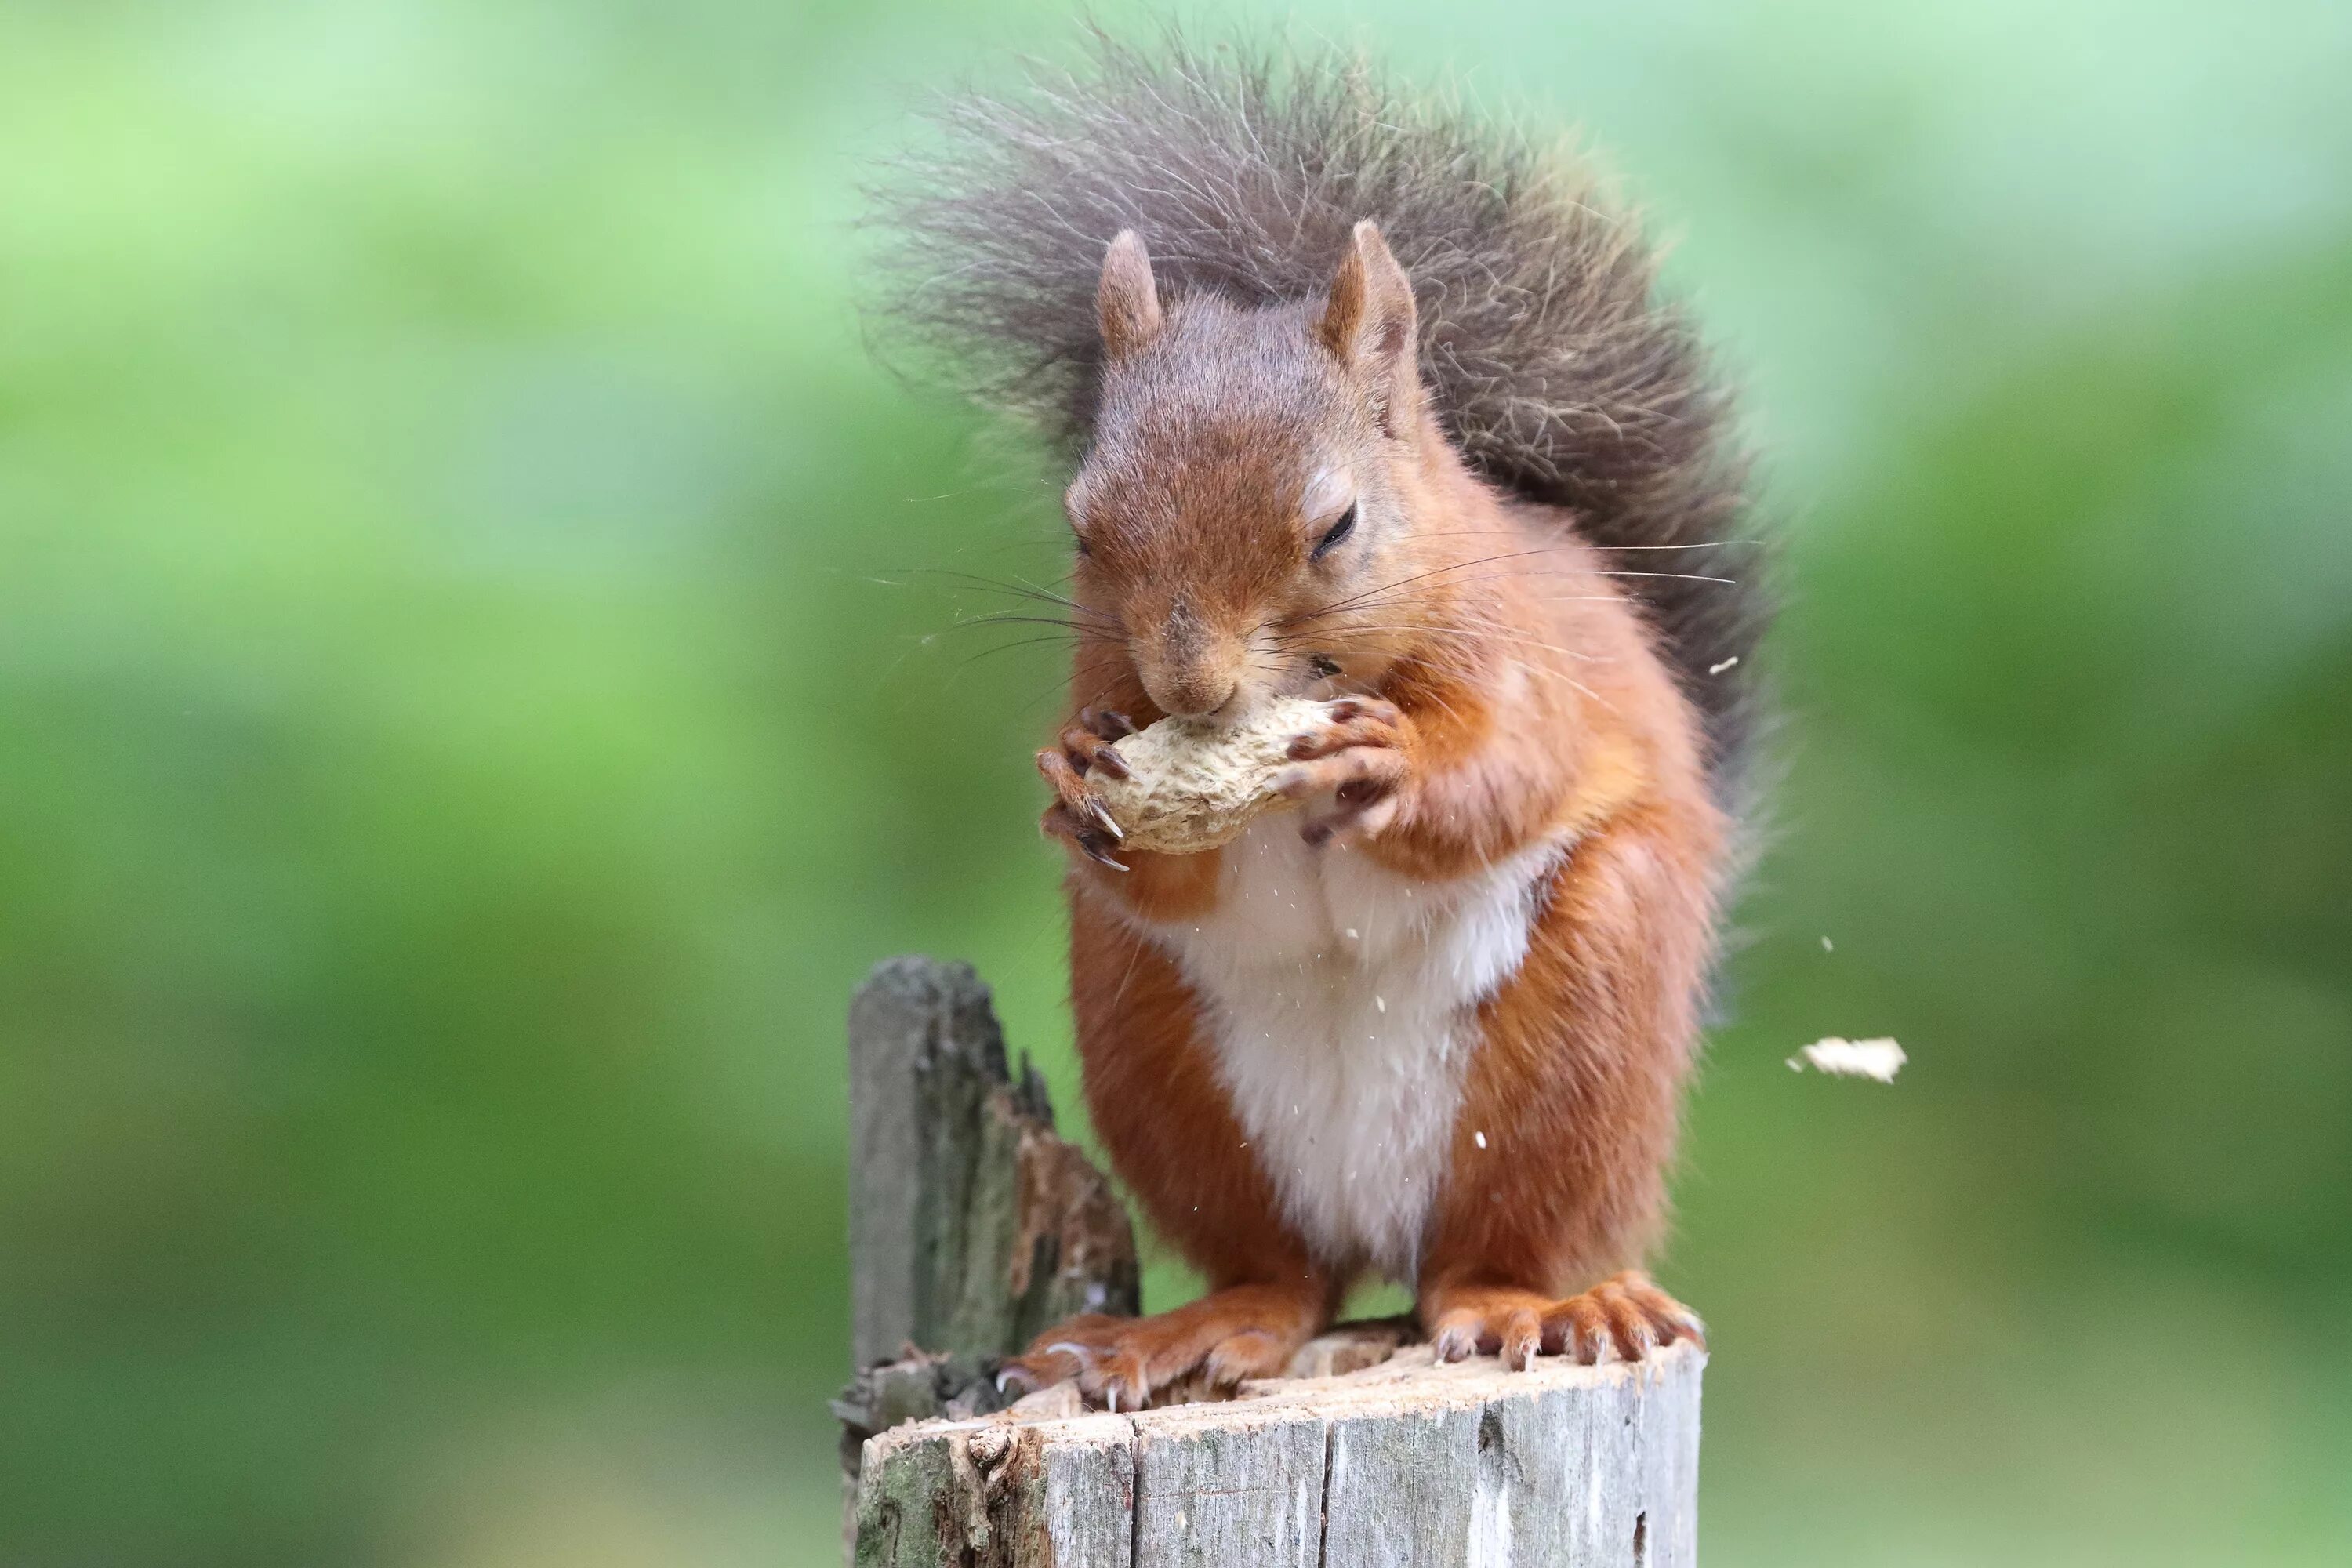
[1127, 298]
[1370, 324]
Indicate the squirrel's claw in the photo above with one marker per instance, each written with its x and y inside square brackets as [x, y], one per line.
[1107, 725]
[1102, 818]
[1077, 813]
[1061, 822]
[1092, 849]
[1087, 749]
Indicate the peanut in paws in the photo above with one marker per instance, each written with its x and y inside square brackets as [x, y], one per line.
[1191, 784]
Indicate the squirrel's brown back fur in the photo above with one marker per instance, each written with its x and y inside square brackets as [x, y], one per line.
[1551, 358]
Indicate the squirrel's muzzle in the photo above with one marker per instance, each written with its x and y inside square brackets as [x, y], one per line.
[1189, 670]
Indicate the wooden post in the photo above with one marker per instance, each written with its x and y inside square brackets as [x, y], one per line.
[1369, 1453]
[971, 1226]
[1409, 1463]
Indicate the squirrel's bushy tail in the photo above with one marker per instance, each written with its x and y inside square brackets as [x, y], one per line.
[1559, 369]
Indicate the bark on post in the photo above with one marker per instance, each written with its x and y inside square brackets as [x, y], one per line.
[973, 1226]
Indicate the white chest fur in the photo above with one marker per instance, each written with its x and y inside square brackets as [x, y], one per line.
[1338, 998]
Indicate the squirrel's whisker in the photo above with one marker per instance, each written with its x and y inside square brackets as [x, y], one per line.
[1018, 589]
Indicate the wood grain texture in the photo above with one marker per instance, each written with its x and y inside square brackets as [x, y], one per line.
[1409, 1462]
[1217, 1486]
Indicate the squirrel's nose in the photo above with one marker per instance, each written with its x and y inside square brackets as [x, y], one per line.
[1192, 696]
[1190, 671]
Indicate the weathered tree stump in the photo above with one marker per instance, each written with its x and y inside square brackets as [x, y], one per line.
[973, 1226]
[1409, 1463]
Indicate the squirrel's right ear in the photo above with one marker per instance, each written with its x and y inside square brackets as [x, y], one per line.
[1126, 301]
[1370, 324]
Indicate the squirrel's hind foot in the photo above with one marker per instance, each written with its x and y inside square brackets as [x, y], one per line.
[1226, 1336]
[1625, 1313]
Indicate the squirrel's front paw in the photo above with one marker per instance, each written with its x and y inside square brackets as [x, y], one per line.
[1363, 760]
[1077, 813]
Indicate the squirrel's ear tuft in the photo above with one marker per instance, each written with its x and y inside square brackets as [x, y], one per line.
[1126, 301]
[1369, 323]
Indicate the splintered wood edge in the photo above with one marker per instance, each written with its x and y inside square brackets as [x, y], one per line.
[1413, 1455]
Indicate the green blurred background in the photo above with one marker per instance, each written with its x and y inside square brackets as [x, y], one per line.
[472, 706]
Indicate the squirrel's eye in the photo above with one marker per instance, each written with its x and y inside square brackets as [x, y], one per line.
[1338, 532]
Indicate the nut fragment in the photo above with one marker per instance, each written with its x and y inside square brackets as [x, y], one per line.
[1192, 784]
[1879, 1058]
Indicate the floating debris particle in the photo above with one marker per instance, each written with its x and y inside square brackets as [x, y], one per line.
[1878, 1060]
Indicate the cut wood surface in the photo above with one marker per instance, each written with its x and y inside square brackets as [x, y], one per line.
[1408, 1462]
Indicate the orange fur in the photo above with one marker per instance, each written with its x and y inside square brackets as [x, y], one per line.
[1510, 698]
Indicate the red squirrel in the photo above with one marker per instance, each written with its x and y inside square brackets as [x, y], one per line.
[1371, 403]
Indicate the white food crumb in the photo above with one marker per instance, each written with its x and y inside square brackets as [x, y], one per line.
[1381, 1003]
[1727, 664]
[1482, 1139]
[1826, 947]
[1851, 1058]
